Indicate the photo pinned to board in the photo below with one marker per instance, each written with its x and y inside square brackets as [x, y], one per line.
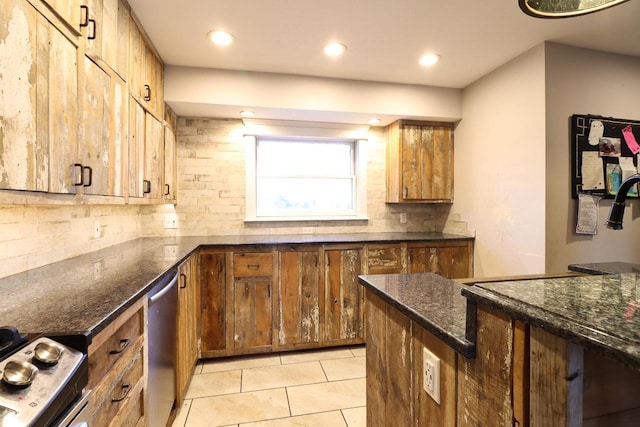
[609, 147]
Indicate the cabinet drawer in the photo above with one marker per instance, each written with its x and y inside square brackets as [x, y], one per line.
[385, 259]
[120, 388]
[253, 265]
[109, 352]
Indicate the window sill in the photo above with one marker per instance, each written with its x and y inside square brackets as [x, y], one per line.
[306, 218]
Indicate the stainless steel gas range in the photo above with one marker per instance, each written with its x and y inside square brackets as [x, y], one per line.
[42, 382]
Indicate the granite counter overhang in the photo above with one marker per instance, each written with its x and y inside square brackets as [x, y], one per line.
[601, 313]
[82, 295]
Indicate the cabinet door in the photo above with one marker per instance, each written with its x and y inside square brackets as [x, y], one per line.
[299, 292]
[187, 346]
[452, 261]
[24, 139]
[213, 295]
[427, 162]
[146, 73]
[153, 154]
[344, 303]
[107, 33]
[252, 314]
[68, 10]
[385, 259]
[136, 149]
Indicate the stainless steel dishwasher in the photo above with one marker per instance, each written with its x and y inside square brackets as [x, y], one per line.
[163, 299]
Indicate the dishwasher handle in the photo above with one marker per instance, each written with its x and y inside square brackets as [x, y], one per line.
[154, 298]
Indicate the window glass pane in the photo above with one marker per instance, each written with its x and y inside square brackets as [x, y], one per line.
[300, 158]
[305, 195]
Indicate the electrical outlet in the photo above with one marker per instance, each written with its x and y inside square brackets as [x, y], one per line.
[431, 375]
[403, 218]
[96, 230]
[170, 220]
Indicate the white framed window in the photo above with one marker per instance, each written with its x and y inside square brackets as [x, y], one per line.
[298, 178]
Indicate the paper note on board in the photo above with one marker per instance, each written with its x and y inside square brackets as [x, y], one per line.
[630, 139]
[587, 214]
[592, 178]
[629, 169]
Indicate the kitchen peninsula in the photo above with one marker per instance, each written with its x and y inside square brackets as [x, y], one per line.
[542, 352]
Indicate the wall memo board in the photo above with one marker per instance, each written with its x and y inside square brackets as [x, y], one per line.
[599, 144]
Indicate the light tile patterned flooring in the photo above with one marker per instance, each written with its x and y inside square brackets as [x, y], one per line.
[314, 388]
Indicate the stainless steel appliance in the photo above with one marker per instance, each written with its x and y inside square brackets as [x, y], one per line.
[163, 302]
[42, 381]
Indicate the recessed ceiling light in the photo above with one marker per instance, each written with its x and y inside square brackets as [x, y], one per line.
[247, 113]
[429, 59]
[334, 49]
[221, 38]
[373, 121]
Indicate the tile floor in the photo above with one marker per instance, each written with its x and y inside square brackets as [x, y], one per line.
[314, 388]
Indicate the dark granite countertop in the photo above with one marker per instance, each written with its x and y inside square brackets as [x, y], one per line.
[82, 295]
[433, 302]
[602, 312]
[605, 268]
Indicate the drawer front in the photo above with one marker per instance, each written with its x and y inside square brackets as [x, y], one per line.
[253, 265]
[385, 259]
[108, 354]
[132, 412]
[120, 388]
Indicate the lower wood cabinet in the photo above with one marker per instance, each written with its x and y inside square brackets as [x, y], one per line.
[187, 327]
[258, 299]
[116, 371]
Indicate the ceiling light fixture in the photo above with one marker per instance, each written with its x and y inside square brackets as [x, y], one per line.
[334, 49]
[373, 121]
[247, 113]
[220, 38]
[429, 59]
[564, 8]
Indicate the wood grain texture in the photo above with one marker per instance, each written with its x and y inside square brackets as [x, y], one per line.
[153, 155]
[386, 259]
[556, 381]
[344, 313]
[187, 340]
[453, 260]
[213, 295]
[484, 383]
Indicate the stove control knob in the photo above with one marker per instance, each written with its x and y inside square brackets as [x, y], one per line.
[47, 354]
[19, 374]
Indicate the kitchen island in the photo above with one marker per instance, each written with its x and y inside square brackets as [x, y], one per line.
[541, 352]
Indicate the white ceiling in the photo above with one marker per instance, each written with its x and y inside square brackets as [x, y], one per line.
[384, 38]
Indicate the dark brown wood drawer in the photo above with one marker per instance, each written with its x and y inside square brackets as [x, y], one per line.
[253, 265]
[120, 387]
[107, 354]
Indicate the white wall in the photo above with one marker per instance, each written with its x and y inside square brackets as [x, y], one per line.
[581, 81]
[499, 167]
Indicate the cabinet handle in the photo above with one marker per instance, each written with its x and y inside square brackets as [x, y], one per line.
[92, 33]
[146, 188]
[253, 266]
[126, 389]
[84, 22]
[147, 93]
[167, 189]
[405, 191]
[88, 168]
[123, 346]
[183, 277]
[80, 174]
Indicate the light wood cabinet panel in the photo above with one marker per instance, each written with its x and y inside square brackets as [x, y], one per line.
[300, 294]
[146, 163]
[146, 72]
[213, 295]
[107, 33]
[344, 297]
[68, 10]
[419, 162]
[170, 176]
[449, 259]
[187, 345]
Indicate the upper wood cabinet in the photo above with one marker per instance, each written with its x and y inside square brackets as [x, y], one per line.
[170, 176]
[68, 10]
[146, 147]
[146, 73]
[419, 162]
[39, 110]
[105, 26]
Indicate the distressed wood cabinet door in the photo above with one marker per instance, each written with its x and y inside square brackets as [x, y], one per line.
[419, 162]
[154, 156]
[452, 260]
[385, 259]
[300, 292]
[146, 157]
[344, 296]
[169, 178]
[187, 345]
[214, 332]
[68, 10]
[146, 73]
[107, 35]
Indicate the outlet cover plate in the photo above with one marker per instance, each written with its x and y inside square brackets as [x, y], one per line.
[431, 374]
[170, 220]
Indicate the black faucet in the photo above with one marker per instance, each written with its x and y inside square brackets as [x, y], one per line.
[617, 208]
